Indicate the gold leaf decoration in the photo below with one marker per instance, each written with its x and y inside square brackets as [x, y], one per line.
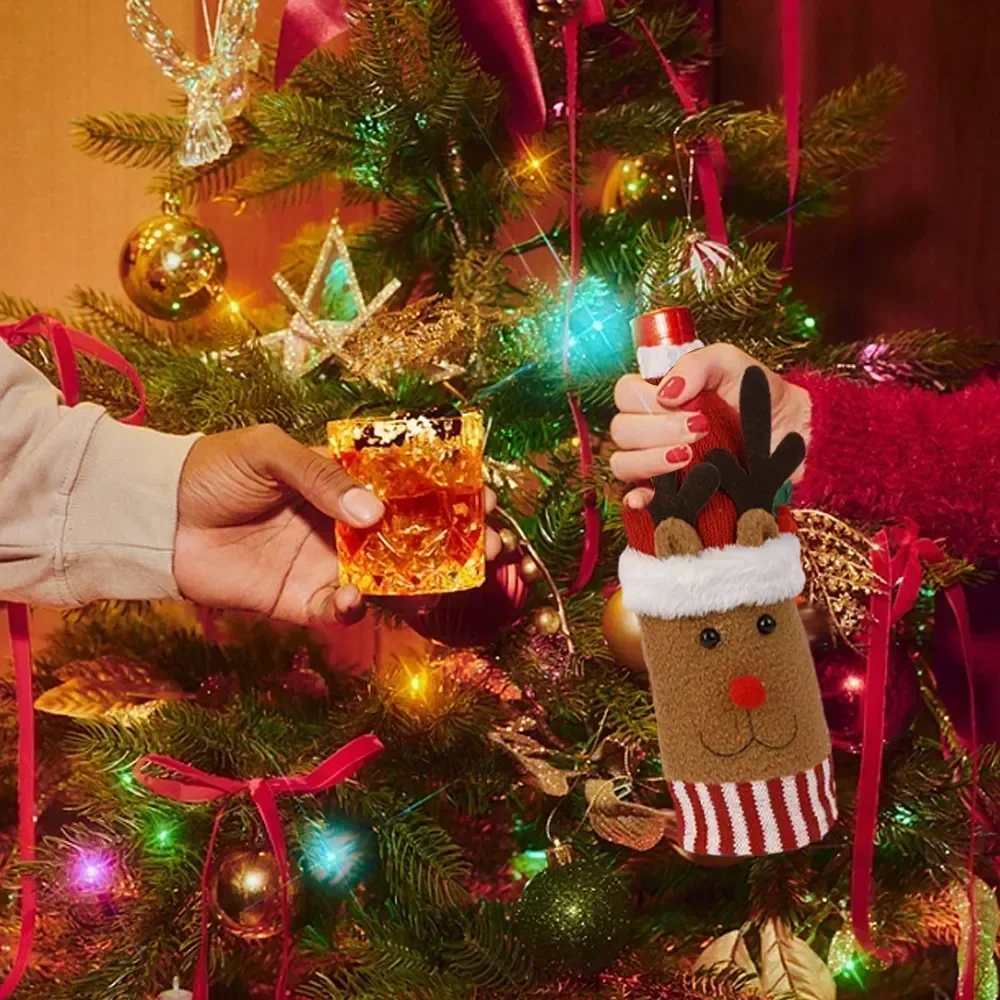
[107, 687]
[729, 951]
[839, 577]
[630, 824]
[435, 336]
[531, 755]
[789, 967]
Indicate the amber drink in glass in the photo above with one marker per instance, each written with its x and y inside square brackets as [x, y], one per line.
[428, 471]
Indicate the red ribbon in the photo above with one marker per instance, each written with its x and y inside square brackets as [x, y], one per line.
[791, 72]
[708, 180]
[190, 785]
[66, 343]
[896, 558]
[305, 26]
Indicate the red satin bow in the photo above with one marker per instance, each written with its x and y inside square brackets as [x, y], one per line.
[190, 785]
[896, 557]
[66, 342]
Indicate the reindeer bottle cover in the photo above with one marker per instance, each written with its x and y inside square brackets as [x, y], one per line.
[713, 575]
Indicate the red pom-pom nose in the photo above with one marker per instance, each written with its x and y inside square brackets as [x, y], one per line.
[747, 691]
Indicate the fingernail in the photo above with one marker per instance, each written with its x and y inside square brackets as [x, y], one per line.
[350, 595]
[697, 424]
[363, 506]
[682, 454]
[672, 388]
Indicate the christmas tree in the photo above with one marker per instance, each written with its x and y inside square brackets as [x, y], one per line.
[522, 749]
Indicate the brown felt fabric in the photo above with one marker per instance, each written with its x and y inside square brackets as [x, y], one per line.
[675, 537]
[755, 527]
[690, 687]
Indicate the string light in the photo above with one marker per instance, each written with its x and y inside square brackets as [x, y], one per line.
[415, 684]
[338, 854]
[91, 871]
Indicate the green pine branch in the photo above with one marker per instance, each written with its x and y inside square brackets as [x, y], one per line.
[130, 140]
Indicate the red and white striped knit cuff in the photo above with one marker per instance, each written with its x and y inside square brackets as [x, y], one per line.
[740, 819]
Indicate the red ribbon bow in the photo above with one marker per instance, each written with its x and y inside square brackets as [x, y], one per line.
[66, 342]
[897, 556]
[191, 785]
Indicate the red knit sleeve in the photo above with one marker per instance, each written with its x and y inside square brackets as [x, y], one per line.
[881, 452]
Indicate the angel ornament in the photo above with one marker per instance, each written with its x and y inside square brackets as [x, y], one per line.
[217, 89]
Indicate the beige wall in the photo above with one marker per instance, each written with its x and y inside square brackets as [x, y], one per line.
[63, 216]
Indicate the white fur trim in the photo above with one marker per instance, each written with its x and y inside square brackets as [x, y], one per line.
[716, 579]
[655, 362]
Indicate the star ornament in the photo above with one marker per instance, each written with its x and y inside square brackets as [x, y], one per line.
[308, 341]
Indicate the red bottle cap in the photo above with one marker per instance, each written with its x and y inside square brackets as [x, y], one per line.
[661, 337]
[673, 325]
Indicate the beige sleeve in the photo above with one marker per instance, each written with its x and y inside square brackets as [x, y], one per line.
[88, 506]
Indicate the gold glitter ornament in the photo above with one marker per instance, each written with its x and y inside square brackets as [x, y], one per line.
[987, 925]
[172, 267]
[435, 337]
[836, 558]
[575, 917]
[308, 341]
[246, 894]
[546, 620]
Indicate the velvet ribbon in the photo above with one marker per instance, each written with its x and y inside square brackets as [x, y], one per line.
[791, 74]
[187, 784]
[896, 559]
[708, 179]
[65, 342]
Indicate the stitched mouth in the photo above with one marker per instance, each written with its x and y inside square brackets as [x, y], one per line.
[754, 739]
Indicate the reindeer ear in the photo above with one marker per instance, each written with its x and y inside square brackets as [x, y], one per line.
[755, 527]
[675, 537]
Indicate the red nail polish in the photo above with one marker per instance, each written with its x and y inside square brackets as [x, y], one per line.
[697, 424]
[672, 388]
[676, 455]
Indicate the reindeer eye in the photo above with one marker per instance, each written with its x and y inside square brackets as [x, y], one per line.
[709, 638]
[766, 624]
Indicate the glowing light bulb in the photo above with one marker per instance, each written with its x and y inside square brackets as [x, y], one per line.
[809, 322]
[854, 683]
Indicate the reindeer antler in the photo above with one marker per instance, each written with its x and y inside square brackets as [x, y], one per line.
[758, 484]
[698, 486]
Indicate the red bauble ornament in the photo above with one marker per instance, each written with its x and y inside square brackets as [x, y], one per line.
[477, 617]
[842, 677]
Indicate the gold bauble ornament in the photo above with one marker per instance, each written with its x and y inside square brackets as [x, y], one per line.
[622, 632]
[529, 569]
[546, 620]
[246, 894]
[509, 539]
[171, 266]
[558, 11]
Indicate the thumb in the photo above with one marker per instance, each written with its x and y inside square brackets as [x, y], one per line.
[321, 481]
[716, 368]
